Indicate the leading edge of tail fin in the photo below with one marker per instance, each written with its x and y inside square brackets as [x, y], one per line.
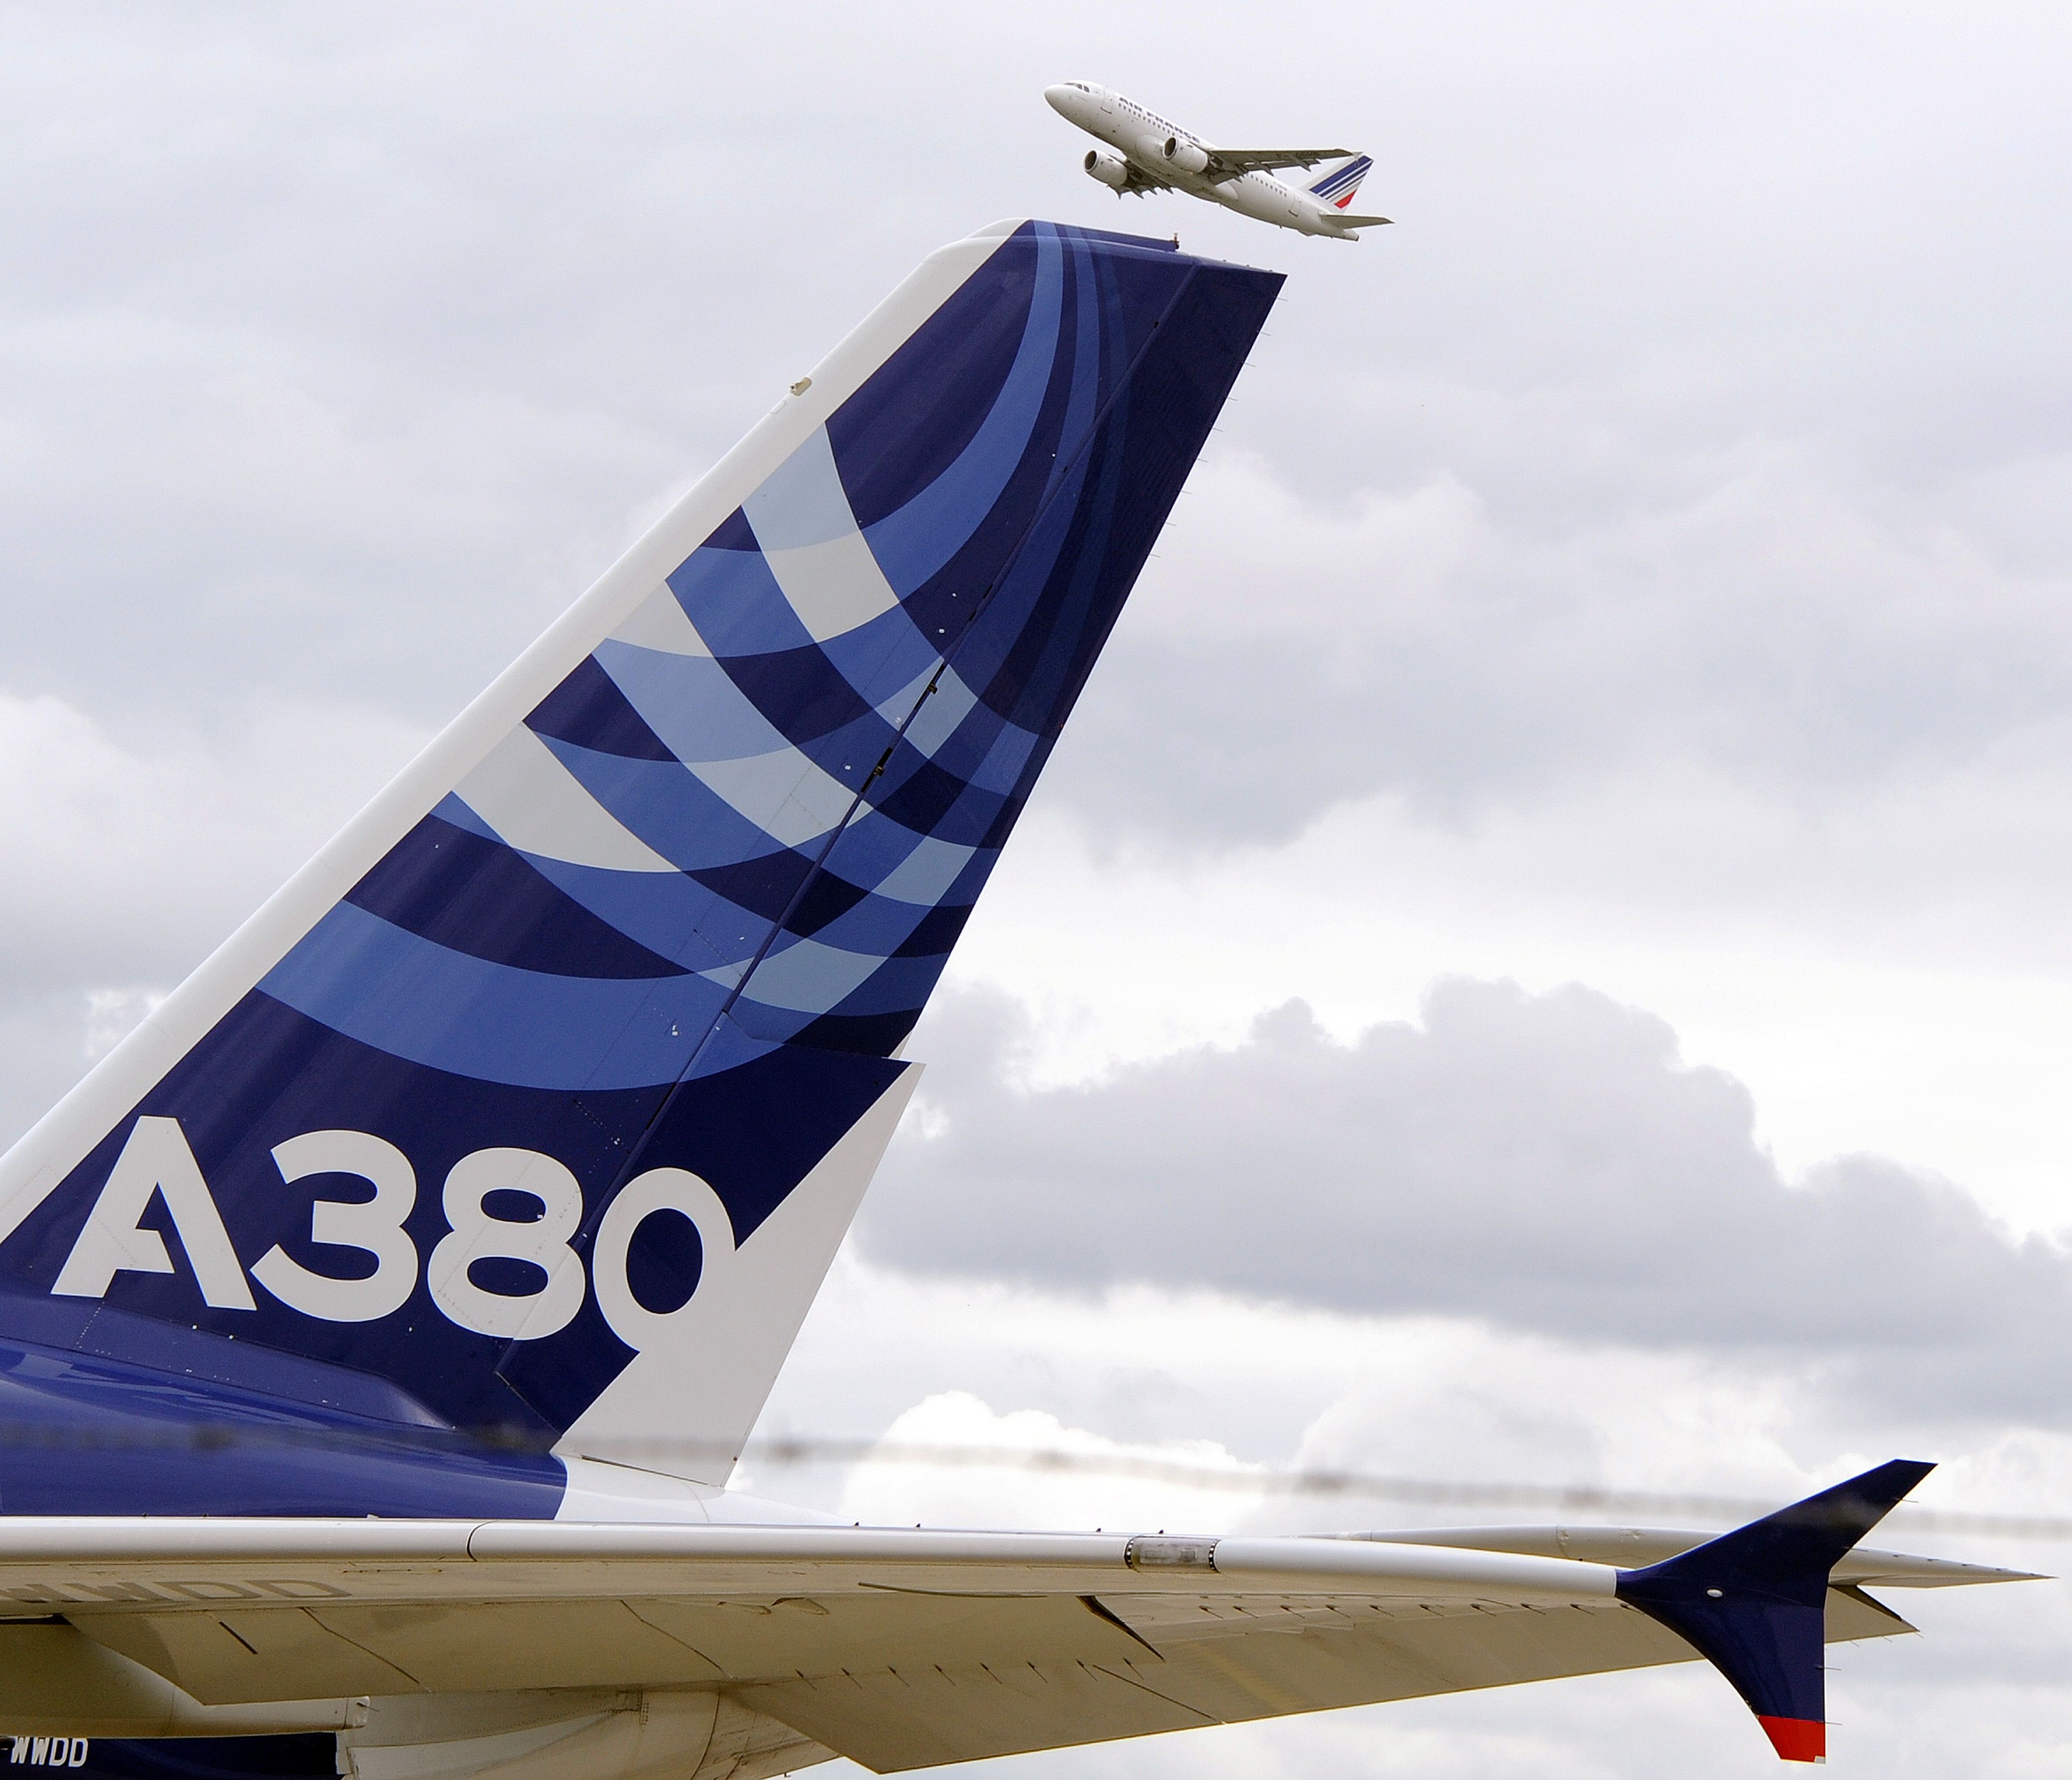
[1337, 188]
[546, 1091]
[1754, 1601]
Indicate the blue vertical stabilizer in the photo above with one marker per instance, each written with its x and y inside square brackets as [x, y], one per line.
[529, 1115]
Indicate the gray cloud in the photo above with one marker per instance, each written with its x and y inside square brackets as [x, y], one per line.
[1546, 1163]
[324, 332]
[1804, 638]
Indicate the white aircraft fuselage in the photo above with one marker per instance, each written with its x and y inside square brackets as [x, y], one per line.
[1153, 153]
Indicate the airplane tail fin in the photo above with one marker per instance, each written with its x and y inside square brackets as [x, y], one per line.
[1755, 1601]
[1337, 188]
[541, 1098]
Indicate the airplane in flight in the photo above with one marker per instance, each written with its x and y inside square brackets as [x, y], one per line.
[1145, 153]
[381, 1320]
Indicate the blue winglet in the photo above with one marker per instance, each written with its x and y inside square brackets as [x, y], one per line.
[1754, 1601]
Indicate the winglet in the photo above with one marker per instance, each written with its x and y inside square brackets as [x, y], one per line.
[1754, 1601]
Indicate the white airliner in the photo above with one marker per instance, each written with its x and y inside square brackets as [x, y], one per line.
[1148, 153]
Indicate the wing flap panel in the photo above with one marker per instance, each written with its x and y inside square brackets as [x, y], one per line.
[762, 1639]
[891, 1720]
[224, 1658]
[466, 1647]
[1403, 1656]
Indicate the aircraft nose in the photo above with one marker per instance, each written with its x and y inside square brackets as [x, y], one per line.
[1059, 95]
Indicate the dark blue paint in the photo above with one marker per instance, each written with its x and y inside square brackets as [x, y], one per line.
[588, 709]
[937, 388]
[766, 885]
[805, 697]
[752, 1132]
[476, 895]
[663, 1262]
[84, 1435]
[309, 1757]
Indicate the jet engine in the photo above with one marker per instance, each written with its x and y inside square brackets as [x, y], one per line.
[1108, 167]
[1188, 157]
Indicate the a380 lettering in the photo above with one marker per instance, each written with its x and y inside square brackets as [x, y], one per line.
[543, 1243]
[480, 1224]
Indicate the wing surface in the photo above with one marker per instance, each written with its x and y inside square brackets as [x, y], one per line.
[1141, 179]
[1229, 163]
[900, 1649]
[1628, 1547]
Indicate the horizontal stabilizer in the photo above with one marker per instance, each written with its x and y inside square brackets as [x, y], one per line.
[1754, 1601]
[1365, 222]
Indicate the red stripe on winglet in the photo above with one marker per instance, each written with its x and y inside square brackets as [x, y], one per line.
[1797, 1739]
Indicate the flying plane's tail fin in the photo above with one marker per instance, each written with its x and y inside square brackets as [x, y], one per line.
[1755, 1601]
[1337, 188]
[541, 1098]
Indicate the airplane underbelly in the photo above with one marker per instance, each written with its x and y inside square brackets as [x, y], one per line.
[1249, 200]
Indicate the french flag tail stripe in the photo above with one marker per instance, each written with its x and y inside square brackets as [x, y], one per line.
[1338, 186]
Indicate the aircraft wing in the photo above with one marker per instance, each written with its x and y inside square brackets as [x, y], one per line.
[1142, 179]
[901, 1649]
[1229, 163]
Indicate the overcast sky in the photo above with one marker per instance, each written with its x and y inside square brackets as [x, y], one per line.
[1544, 952]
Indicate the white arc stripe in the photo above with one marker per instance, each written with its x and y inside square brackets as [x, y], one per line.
[537, 806]
[659, 622]
[802, 518]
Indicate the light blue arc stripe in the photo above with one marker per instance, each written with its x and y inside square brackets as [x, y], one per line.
[671, 914]
[734, 602]
[937, 719]
[668, 806]
[1001, 769]
[872, 848]
[731, 1046]
[888, 653]
[808, 976]
[875, 927]
[1086, 368]
[913, 543]
[362, 976]
[690, 701]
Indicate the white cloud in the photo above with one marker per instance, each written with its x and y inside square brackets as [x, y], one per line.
[111, 1014]
[1759, 622]
[128, 862]
[941, 1491]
